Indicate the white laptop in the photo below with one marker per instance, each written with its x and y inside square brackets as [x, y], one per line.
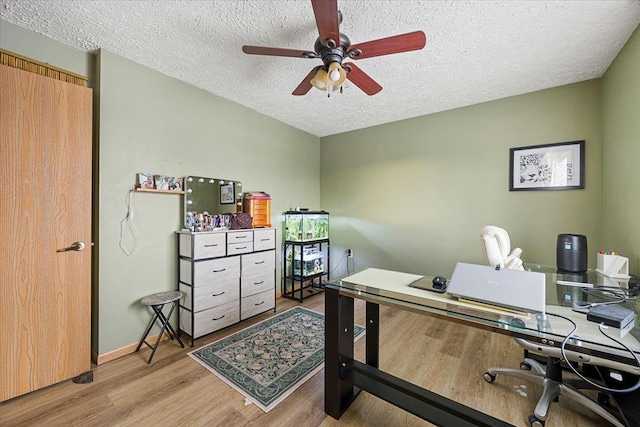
[514, 289]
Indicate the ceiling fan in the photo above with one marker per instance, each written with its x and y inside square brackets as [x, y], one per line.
[333, 48]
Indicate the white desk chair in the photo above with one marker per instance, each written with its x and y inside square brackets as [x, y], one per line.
[496, 247]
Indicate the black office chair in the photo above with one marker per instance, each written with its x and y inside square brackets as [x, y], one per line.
[550, 378]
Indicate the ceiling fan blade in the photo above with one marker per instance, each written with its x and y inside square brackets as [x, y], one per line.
[276, 51]
[305, 85]
[387, 46]
[361, 79]
[326, 12]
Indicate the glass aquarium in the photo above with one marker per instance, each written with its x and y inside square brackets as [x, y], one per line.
[306, 226]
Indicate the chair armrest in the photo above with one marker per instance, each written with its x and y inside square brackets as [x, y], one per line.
[575, 356]
[513, 263]
[515, 253]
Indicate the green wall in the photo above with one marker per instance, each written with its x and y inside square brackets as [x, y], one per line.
[41, 48]
[150, 122]
[621, 153]
[413, 195]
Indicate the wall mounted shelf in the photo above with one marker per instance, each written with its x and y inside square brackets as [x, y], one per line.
[153, 190]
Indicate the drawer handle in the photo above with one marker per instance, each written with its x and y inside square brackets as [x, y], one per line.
[217, 295]
[219, 271]
[240, 237]
[243, 247]
[259, 262]
[264, 240]
[260, 303]
[259, 283]
[209, 246]
[218, 318]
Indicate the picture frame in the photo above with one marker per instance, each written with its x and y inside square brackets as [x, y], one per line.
[145, 181]
[227, 194]
[175, 183]
[161, 182]
[558, 166]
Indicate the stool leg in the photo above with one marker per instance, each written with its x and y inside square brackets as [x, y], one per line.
[164, 320]
[144, 336]
[172, 333]
[159, 315]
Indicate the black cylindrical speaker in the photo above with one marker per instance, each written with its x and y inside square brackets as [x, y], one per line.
[571, 253]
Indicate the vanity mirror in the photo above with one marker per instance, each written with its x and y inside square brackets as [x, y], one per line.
[213, 195]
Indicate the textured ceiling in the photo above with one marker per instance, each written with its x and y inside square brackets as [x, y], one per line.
[476, 51]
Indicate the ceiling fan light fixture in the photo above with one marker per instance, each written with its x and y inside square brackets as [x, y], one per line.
[337, 74]
[319, 81]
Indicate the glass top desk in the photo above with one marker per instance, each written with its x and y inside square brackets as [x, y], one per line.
[345, 377]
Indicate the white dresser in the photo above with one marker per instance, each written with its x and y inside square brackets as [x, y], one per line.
[227, 276]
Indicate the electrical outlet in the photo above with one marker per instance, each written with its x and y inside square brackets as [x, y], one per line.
[350, 253]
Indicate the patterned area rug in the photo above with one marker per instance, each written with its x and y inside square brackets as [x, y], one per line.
[266, 362]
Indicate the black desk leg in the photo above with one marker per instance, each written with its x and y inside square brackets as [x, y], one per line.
[373, 335]
[338, 394]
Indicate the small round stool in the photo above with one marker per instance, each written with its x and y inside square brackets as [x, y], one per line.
[157, 303]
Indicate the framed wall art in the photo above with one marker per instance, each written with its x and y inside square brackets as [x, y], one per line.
[227, 194]
[558, 166]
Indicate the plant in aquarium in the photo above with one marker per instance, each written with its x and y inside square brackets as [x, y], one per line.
[293, 229]
[309, 228]
[322, 228]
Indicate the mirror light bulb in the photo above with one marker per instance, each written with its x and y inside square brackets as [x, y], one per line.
[189, 202]
[211, 181]
[201, 180]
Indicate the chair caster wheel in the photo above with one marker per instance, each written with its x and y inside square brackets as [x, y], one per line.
[489, 377]
[604, 399]
[535, 422]
[524, 366]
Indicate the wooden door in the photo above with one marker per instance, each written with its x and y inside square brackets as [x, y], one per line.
[45, 205]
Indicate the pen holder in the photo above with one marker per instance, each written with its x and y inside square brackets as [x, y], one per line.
[613, 266]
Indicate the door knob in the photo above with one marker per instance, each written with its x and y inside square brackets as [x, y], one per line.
[75, 246]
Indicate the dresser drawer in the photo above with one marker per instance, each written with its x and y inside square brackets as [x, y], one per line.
[210, 320]
[251, 285]
[208, 296]
[259, 262]
[239, 248]
[256, 304]
[205, 245]
[239, 236]
[211, 271]
[264, 239]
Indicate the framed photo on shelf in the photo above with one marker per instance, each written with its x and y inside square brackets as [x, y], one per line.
[145, 181]
[227, 194]
[558, 166]
[175, 183]
[161, 182]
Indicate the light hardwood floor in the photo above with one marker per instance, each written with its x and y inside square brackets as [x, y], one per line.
[448, 358]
